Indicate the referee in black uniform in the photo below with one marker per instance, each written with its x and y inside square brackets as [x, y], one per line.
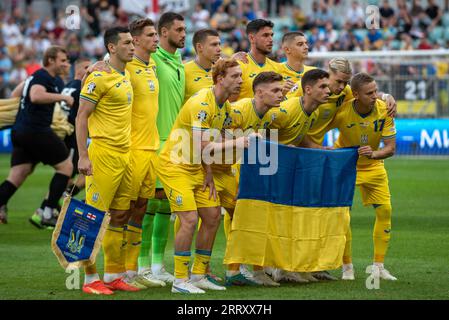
[33, 139]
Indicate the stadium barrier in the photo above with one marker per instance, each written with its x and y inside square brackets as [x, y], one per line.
[415, 137]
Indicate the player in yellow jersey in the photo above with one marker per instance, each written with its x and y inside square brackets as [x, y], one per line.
[290, 124]
[185, 176]
[297, 115]
[198, 71]
[365, 122]
[105, 114]
[260, 36]
[141, 174]
[249, 115]
[296, 49]
[340, 73]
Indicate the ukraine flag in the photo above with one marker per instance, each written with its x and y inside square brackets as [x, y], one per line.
[296, 219]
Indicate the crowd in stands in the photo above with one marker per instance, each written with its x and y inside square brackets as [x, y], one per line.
[330, 25]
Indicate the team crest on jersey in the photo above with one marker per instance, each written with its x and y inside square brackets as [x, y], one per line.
[91, 87]
[151, 85]
[95, 197]
[364, 139]
[273, 117]
[228, 121]
[202, 115]
[179, 200]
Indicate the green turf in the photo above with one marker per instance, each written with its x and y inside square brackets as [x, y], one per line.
[417, 256]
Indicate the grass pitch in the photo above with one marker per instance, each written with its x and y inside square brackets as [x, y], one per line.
[417, 255]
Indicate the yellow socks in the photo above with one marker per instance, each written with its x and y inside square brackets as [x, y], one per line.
[182, 260]
[114, 250]
[201, 261]
[133, 238]
[382, 229]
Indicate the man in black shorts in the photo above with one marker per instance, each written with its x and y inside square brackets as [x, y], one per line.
[33, 139]
[72, 88]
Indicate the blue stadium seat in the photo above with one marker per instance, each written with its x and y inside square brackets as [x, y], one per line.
[445, 19]
[435, 34]
[446, 34]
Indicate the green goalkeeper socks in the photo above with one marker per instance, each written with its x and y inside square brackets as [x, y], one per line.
[147, 231]
[160, 232]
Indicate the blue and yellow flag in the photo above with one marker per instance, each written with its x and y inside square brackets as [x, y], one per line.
[297, 218]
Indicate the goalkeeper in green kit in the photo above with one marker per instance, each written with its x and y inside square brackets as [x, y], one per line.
[170, 72]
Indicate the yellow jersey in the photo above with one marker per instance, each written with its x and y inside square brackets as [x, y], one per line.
[361, 130]
[110, 123]
[250, 70]
[243, 115]
[289, 74]
[291, 121]
[197, 78]
[325, 112]
[200, 112]
[144, 134]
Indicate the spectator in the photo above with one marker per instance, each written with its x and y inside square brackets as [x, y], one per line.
[11, 33]
[200, 17]
[5, 64]
[374, 40]
[299, 18]
[355, 15]
[324, 15]
[424, 44]
[331, 34]
[387, 14]
[32, 64]
[106, 15]
[314, 15]
[407, 42]
[404, 20]
[434, 12]
[18, 74]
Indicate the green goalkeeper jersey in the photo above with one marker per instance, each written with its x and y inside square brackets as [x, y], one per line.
[171, 76]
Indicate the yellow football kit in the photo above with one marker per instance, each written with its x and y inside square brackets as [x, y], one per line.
[289, 74]
[250, 70]
[180, 166]
[291, 121]
[360, 130]
[197, 78]
[110, 130]
[325, 112]
[141, 173]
